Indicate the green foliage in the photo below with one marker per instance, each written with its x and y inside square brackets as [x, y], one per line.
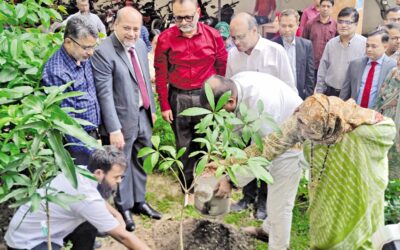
[392, 202]
[32, 124]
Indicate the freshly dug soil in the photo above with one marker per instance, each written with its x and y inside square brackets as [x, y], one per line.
[200, 235]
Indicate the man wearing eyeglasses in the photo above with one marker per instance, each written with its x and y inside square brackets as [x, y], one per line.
[393, 30]
[392, 15]
[70, 63]
[338, 53]
[186, 55]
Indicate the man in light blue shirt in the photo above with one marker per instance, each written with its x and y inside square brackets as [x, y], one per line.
[365, 75]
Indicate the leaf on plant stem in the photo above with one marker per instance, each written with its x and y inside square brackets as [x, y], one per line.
[145, 151]
[181, 152]
[201, 165]
[16, 193]
[261, 161]
[261, 173]
[53, 13]
[169, 149]
[223, 100]
[210, 96]
[246, 134]
[62, 9]
[148, 165]
[269, 120]
[56, 200]
[32, 71]
[155, 140]
[32, 17]
[8, 74]
[258, 141]
[20, 11]
[63, 96]
[33, 103]
[243, 109]
[193, 154]
[166, 165]
[236, 152]
[62, 158]
[220, 170]
[232, 176]
[69, 199]
[195, 111]
[203, 141]
[35, 202]
[83, 122]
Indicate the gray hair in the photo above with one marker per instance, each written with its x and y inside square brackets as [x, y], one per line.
[291, 12]
[250, 19]
[79, 27]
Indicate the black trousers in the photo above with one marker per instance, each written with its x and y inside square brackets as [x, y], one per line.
[183, 127]
[253, 192]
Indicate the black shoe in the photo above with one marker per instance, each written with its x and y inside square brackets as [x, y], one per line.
[257, 233]
[130, 224]
[242, 204]
[260, 212]
[145, 209]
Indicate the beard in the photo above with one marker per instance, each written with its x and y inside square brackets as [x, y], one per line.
[186, 28]
[105, 189]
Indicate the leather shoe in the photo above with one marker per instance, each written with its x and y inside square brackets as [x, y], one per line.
[242, 204]
[260, 210]
[256, 232]
[130, 224]
[145, 209]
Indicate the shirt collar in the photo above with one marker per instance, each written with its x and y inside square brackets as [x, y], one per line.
[293, 43]
[351, 40]
[379, 61]
[318, 18]
[259, 45]
[69, 60]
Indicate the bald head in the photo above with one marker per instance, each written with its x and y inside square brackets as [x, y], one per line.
[127, 26]
[127, 13]
[244, 18]
[219, 86]
[243, 30]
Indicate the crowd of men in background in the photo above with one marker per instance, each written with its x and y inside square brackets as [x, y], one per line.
[317, 53]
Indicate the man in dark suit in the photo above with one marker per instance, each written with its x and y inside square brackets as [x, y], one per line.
[126, 99]
[365, 75]
[299, 50]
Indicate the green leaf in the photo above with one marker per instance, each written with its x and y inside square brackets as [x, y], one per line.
[232, 176]
[193, 154]
[145, 151]
[246, 134]
[16, 193]
[63, 96]
[154, 158]
[62, 9]
[236, 152]
[243, 109]
[223, 100]
[69, 199]
[8, 74]
[20, 10]
[203, 141]
[55, 14]
[269, 120]
[56, 200]
[258, 141]
[148, 165]
[170, 150]
[32, 71]
[155, 140]
[195, 111]
[35, 202]
[210, 96]
[166, 165]
[201, 165]
[261, 173]
[33, 103]
[62, 158]
[181, 152]
[220, 170]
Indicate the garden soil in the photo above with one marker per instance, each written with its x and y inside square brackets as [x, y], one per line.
[199, 234]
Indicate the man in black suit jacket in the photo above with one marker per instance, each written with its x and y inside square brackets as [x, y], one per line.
[299, 50]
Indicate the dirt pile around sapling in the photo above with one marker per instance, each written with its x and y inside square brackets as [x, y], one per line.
[200, 235]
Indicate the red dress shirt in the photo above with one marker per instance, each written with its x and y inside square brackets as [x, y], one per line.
[187, 62]
[319, 34]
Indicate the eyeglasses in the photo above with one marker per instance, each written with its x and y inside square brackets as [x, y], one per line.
[348, 22]
[85, 48]
[187, 18]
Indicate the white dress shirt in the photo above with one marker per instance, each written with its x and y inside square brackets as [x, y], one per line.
[267, 57]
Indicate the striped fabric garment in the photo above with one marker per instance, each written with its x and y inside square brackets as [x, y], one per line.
[347, 195]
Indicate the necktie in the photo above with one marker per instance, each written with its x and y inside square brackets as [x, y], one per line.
[140, 79]
[368, 86]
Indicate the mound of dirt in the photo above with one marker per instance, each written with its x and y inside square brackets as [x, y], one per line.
[5, 217]
[200, 235]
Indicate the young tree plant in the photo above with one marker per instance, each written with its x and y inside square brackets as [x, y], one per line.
[223, 136]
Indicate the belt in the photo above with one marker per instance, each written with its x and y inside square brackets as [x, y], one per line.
[184, 91]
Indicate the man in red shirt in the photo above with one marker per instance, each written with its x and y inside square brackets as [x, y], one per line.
[320, 30]
[186, 55]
